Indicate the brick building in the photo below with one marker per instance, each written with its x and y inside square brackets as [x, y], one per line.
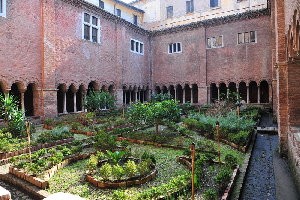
[52, 53]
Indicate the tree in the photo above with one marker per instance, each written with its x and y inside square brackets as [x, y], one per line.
[100, 100]
[155, 113]
[12, 116]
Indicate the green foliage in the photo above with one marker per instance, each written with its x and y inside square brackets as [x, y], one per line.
[130, 168]
[210, 195]
[105, 141]
[119, 195]
[100, 155]
[124, 143]
[146, 155]
[115, 156]
[154, 113]
[12, 116]
[117, 171]
[96, 101]
[66, 152]
[92, 163]
[58, 133]
[161, 97]
[105, 171]
[230, 160]
[143, 167]
[223, 178]
[241, 138]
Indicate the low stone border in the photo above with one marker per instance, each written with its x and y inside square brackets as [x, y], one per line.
[123, 184]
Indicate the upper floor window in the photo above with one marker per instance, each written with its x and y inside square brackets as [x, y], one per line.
[239, 0]
[135, 19]
[2, 8]
[101, 4]
[214, 42]
[91, 28]
[189, 6]
[118, 12]
[175, 48]
[136, 46]
[247, 37]
[169, 11]
[214, 3]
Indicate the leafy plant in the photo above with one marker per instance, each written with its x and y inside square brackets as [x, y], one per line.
[104, 141]
[130, 168]
[105, 171]
[143, 167]
[96, 101]
[210, 194]
[117, 171]
[115, 156]
[12, 116]
[92, 164]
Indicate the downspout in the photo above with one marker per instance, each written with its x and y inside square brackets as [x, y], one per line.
[150, 67]
[207, 97]
[43, 60]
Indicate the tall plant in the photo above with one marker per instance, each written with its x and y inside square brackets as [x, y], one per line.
[13, 117]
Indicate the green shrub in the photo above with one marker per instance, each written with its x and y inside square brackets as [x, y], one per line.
[119, 195]
[92, 163]
[230, 160]
[105, 171]
[143, 168]
[105, 141]
[117, 171]
[210, 195]
[241, 138]
[146, 155]
[222, 179]
[130, 168]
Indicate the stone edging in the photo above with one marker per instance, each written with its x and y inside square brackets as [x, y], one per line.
[123, 184]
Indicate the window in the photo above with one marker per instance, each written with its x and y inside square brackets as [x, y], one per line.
[101, 4]
[135, 19]
[91, 28]
[119, 12]
[247, 37]
[175, 48]
[214, 42]
[2, 8]
[214, 3]
[189, 6]
[169, 11]
[136, 46]
[239, 0]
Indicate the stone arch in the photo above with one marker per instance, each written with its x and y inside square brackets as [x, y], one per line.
[214, 94]
[15, 92]
[31, 99]
[223, 89]
[253, 92]
[264, 92]
[61, 91]
[179, 93]
[243, 90]
[194, 93]
[232, 87]
[187, 93]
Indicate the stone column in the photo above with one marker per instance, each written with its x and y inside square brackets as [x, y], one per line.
[75, 102]
[192, 97]
[258, 94]
[248, 94]
[22, 92]
[183, 95]
[65, 101]
[218, 93]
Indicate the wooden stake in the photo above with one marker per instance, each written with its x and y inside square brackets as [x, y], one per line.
[192, 148]
[219, 148]
[28, 133]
